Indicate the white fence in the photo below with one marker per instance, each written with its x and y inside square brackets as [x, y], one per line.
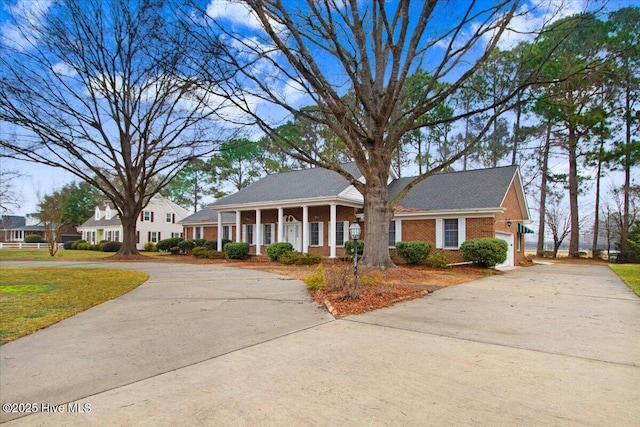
[22, 245]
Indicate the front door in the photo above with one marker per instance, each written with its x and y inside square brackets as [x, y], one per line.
[292, 235]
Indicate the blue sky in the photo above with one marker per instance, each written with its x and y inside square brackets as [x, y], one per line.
[43, 180]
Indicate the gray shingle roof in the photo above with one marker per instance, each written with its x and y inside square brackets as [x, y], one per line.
[474, 189]
[208, 215]
[293, 185]
[12, 222]
[102, 222]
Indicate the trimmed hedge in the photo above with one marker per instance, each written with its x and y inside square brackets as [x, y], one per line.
[212, 245]
[186, 246]
[298, 258]
[202, 252]
[238, 250]
[76, 245]
[111, 246]
[276, 250]
[34, 238]
[413, 252]
[165, 245]
[486, 251]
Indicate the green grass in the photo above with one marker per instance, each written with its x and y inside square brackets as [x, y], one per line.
[630, 273]
[34, 298]
[43, 255]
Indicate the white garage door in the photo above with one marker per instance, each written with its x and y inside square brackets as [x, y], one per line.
[510, 251]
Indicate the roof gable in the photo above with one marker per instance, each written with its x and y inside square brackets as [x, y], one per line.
[293, 185]
[473, 189]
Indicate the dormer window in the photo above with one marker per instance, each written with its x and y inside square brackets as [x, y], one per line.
[107, 213]
[97, 214]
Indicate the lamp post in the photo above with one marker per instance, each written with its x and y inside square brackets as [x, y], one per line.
[354, 231]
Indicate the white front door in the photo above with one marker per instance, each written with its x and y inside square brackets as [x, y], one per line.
[510, 249]
[292, 235]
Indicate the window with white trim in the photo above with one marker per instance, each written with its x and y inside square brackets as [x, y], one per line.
[267, 234]
[169, 217]
[154, 236]
[249, 234]
[147, 216]
[176, 235]
[392, 234]
[342, 233]
[226, 232]
[107, 213]
[197, 232]
[315, 234]
[451, 233]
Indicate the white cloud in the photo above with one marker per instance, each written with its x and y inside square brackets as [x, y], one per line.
[237, 12]
[21, 33]
[533, 16]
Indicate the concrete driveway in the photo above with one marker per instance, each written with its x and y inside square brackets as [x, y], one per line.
[208, 345]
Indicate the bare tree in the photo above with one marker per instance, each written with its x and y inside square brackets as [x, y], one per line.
[8, 195]
[52, 210]
[322, 50]
[110, 92]
[558, 221]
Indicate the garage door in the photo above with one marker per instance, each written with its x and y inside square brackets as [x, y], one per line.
[510, 251]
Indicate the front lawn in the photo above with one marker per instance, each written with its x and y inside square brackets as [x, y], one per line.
[630, 273]
[34, 298]
[43, 255]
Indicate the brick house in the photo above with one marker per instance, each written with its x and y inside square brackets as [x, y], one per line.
[312, 209]
[14, 228]
[204, 225]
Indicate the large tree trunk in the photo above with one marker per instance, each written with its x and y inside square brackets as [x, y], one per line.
[377, 215]
[596, 212]
[624, 230]
[543, 192]
[573, 195]
[129, 237]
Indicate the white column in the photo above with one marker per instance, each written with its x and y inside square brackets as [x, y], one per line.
[332, 230]
[305, 229]
[280, 224]
[238, 226]
[219, 248]
[258, 231]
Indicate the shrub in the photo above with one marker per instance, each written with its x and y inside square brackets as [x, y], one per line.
[348, 247]
[275, 250]
[316, 281]
[34, 238]
[150, 247]
[174, 250]
[165, 245]
[238, 250]
[438, 259]
[186, 246]
[298, 258]
[212, 245]
[111, 246]
[486, 252]
[68, 245]
[202, 252]
[77, 243]
[84, 246]
[413, 252]
[199, 242]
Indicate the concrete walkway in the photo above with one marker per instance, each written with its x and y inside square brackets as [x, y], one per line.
[208, 345]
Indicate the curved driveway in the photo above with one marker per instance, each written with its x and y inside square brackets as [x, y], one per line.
[209, 345]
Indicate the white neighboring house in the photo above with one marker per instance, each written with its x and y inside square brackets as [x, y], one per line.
[158, 220]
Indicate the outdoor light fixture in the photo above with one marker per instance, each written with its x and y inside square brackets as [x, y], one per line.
[508, 222]
[354, 231]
